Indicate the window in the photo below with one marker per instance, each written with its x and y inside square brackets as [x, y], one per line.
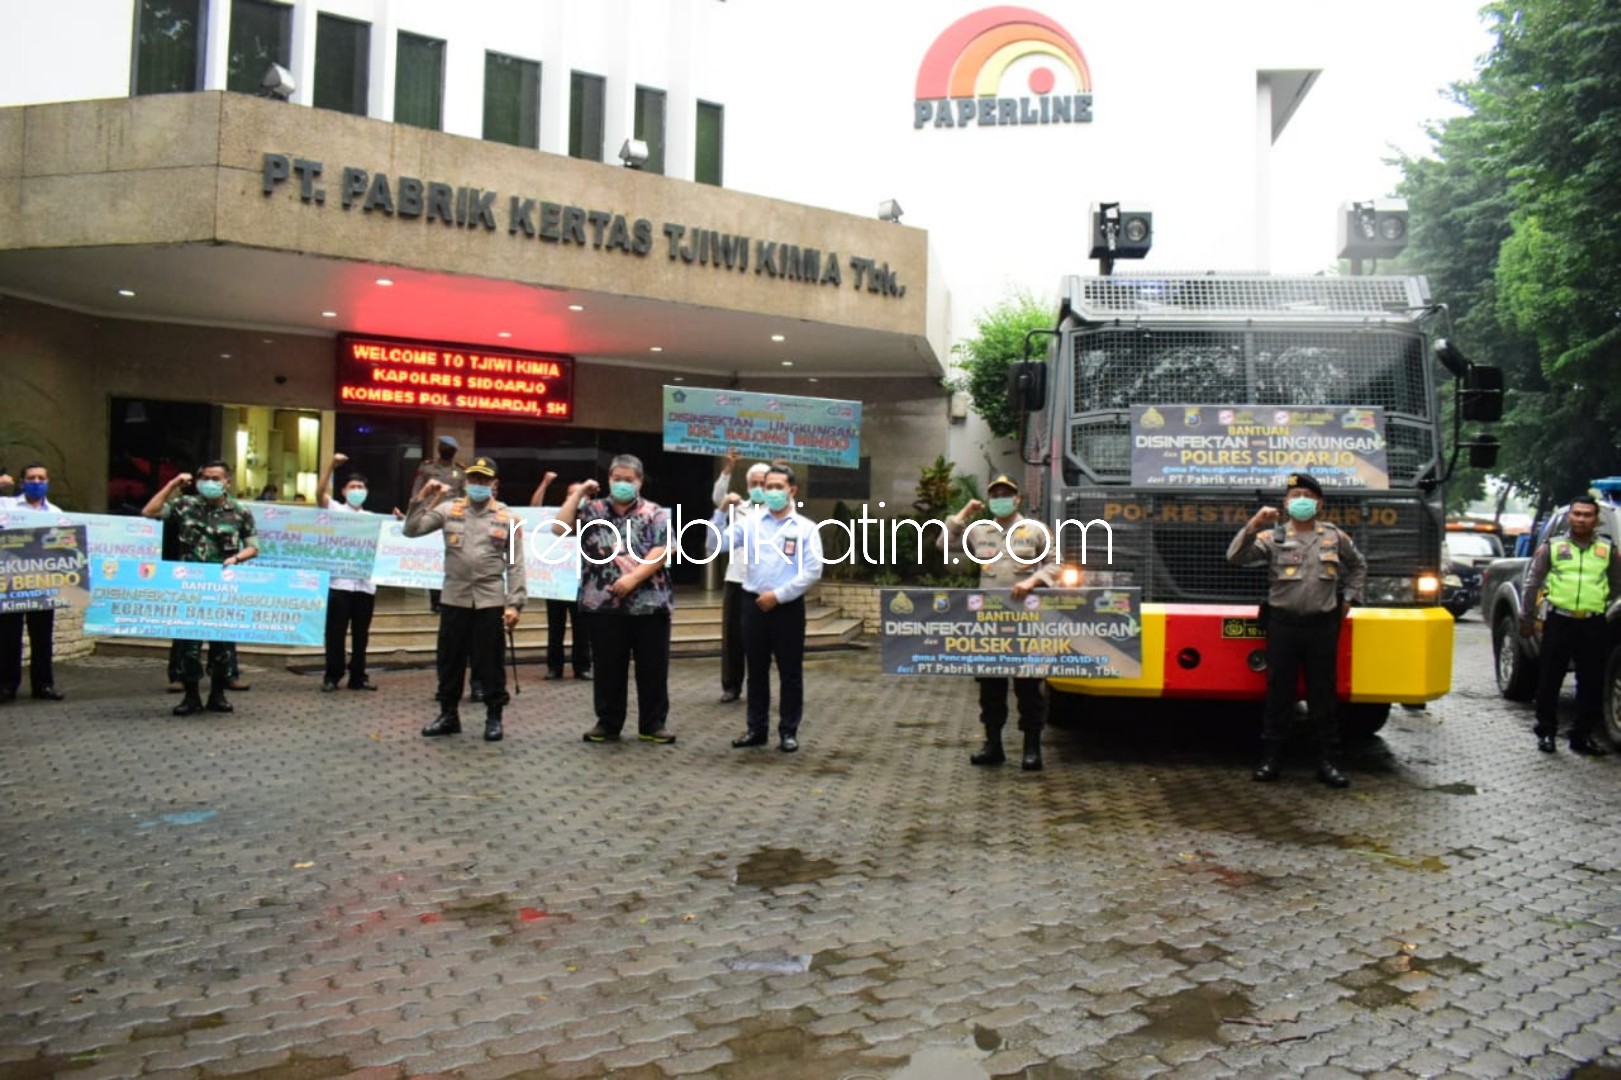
[419, 82]
[650, 126]
[261, 35]
[342, 64]
[585, 114]
[511, 100]
[168, 46]
[706, 169]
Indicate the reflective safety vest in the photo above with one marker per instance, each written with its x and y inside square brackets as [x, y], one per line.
[1578, 580]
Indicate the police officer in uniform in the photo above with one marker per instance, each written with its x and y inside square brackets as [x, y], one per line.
[485, 589]
[1017, 558]
[447, 472]
[1315, 575]
[1582, 573]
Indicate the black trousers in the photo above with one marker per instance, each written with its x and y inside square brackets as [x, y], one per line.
[1563, 640]
[41, 627]
[221, 665]
[732, 660]
[471, 637]
[558, 613]
[1294, 643]
[778, 634]
[1032, 698]
[615, 640]
[348, 611]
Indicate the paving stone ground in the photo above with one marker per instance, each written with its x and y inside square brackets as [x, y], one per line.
[306, 889]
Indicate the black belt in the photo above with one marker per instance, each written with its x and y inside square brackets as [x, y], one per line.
[1575, 614]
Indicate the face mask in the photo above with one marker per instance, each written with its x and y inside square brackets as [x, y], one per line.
[1004, 506]
[355, 497]
[35, 489]
[447, 452]
[211, 489]
[775, 499]
[623, 491]
[1303, 508]
[757, 494]
[479, 492]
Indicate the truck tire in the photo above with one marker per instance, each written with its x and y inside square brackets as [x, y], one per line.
[1516, 673]
[1362, 720]
[1612, 695]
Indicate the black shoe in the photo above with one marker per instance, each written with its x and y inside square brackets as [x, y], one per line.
[551, 675]
[478, 694]
[1546, 744]
[991, 753]
[191, 704]
[1267, 771]
[586, 675]
[328, 686]
[1032, 752]
[729, 696]
[751, 739]
[1585, 746]
[1330, 774]
[661, 736]
[47, 693]
[217, 702]
[7, 696]
[492, 728]
[363, 684]
[601, 734]
[789, 745]
[447, 723]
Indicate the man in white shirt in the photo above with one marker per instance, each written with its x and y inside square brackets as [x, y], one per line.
[36, 481]
[731, 604]
[349, 601]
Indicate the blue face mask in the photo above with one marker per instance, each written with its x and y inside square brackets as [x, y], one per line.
[775, 499]
[757, 494]
[479, 492]
[1004, 506]
[1303, 508]
[623, 491]
[211, 489]
[34, 490]
[355, 497]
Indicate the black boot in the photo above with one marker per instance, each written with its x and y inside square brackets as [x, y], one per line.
[1269, 769]
[1032, 752]
[991, 752]
[449, 722]
[192, 703]
[216, 697]
[492, 725]
[1329, 773]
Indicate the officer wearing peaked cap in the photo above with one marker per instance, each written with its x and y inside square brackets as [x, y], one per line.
[485, 589]
[1314, 576]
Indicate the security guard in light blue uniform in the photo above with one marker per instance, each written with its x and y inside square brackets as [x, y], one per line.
[1314, 576]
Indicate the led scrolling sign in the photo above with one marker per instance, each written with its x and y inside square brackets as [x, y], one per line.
[414, 376]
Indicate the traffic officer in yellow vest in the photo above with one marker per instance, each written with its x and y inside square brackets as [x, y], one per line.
[1017, 558]
[1582, 574]
[1314, 576]
[485, 589]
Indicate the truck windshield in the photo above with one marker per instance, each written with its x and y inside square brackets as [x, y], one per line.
[1116, 367]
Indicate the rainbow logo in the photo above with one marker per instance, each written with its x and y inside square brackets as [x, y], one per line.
[961, 80]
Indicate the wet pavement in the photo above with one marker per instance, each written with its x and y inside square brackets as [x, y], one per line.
[307, 889]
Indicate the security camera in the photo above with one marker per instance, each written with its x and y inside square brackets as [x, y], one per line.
[278, 82]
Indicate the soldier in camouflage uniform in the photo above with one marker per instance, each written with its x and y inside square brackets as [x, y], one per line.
[211, 527]
[448, 473]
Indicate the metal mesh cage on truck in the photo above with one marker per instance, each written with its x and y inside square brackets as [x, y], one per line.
[1173, 545]
[1197, 295]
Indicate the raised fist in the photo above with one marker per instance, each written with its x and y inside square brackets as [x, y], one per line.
[339, 460]
[548, 478]
[588, 488]
[973, 507]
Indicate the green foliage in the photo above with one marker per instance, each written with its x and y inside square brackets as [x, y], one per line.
[998, 341]
[897, 538]
[1514, 222]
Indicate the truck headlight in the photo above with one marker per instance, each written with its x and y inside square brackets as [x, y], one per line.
[1427, 585]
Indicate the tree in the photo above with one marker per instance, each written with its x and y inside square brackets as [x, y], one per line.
[998, 342]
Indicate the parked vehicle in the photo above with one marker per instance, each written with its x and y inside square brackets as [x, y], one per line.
[1469, 547]
[1503, 600]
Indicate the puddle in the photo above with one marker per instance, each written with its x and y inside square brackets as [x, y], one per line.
[181, 1026]
[1197, 1013]
[783, 1050]
[1199, 862]
[1454, 789]
[299, 1067]
[184, 817]
[1376, 849]
[1204, 954]
[772, 868]
[780, 965]
[1376, 984]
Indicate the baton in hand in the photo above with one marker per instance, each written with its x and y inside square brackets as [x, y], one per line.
[512, 650]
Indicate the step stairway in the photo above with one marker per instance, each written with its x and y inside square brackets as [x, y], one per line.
[404, 632]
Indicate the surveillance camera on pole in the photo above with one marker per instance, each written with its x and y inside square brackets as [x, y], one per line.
[1375, 229]
[278, 83]
[1120, 232]
[634, 153]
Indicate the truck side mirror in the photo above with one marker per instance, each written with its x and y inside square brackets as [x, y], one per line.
[1482, 395]
[1483, 451]
[1027, 386]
